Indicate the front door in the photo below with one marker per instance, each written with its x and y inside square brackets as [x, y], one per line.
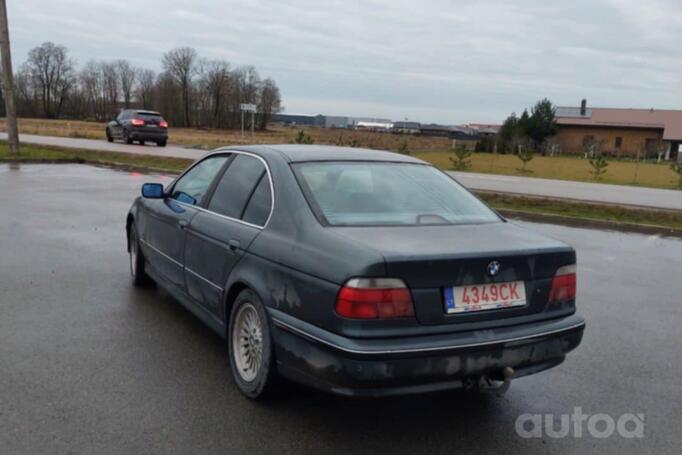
[165, 232]
[218, 236]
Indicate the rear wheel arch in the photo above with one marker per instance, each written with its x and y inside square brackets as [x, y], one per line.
[230, 296]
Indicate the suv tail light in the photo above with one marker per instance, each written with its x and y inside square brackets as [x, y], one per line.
[137, 122]
[563, 284]
[163, 124]
[374, 298]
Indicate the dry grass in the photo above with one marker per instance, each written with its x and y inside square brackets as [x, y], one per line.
[564, 168]
[586, 211]
[433, 149]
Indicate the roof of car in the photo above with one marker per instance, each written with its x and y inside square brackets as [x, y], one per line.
[144, 111]
[297, 153]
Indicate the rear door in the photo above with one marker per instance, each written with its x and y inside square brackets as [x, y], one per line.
[218, 236]
[167, 219]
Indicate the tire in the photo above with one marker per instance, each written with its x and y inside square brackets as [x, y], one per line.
[141, 142]
[126, 137]
[137, 262]
[161, 143]
[110, 138]
[248, 317]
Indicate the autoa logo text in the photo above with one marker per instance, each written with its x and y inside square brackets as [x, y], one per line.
[579, 424]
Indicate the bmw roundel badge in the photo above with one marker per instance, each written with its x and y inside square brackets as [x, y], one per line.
[493, 268]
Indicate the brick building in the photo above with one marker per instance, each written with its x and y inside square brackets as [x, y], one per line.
[620, 132]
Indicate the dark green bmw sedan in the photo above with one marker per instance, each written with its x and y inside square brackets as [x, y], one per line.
[359, 272]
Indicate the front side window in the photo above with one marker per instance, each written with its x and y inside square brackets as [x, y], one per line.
[236, 186]
[388, 194]
[192, 187]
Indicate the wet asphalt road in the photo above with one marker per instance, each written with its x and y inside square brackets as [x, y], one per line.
[90, 365]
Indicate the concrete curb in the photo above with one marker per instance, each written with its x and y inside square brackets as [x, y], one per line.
[590, 223]
[575, 201]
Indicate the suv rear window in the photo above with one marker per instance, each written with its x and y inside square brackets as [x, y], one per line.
[385, 194]
[149, 116]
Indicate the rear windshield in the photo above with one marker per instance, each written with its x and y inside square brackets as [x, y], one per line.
[149, 116]
[385, 194]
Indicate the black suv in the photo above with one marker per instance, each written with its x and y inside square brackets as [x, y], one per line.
[138, 125]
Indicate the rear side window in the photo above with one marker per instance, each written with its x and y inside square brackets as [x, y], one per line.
[258, 208]
[237, 186]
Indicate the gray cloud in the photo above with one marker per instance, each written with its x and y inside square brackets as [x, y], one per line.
[437, 60]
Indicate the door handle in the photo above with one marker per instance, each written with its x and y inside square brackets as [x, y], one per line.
[234, 244]
[182, 224]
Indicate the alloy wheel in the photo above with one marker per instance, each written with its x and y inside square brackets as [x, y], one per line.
[247, 342]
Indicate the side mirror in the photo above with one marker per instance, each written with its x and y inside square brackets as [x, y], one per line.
[152, 190]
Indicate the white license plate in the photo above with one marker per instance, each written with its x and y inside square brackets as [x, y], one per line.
[151, 125]
[480, 297]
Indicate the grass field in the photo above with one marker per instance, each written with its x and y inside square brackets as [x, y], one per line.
[565, 168]
[586, 211]
[432, 149]
[660, 218]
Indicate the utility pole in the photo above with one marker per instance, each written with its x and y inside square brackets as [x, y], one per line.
[8, 82]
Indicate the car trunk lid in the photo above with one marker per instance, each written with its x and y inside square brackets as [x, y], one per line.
[431, 259]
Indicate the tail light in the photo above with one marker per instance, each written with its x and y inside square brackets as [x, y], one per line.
[374, 298]
[137, 122]
[163, 124]
[563, 284]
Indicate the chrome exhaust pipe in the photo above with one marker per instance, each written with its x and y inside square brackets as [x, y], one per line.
[499, 388]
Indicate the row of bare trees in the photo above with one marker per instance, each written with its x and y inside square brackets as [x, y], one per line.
[189, 91]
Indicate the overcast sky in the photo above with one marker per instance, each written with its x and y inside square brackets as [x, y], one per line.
[430, 61]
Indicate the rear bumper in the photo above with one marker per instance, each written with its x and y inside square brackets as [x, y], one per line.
[380, 367]
[159, 135]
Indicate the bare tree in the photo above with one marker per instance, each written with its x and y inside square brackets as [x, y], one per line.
[145, 87]
[127, 75]
[110, 87]
[269, 102]
[27, 100]
[180, 64]
[189, 91]
[167, 99]
[215, 82]
[52, 71]
[92, 87]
